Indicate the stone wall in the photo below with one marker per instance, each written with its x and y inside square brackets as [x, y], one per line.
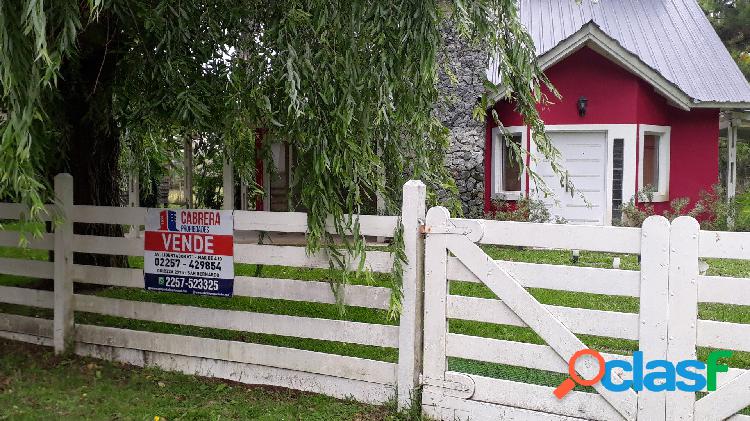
[459, 91]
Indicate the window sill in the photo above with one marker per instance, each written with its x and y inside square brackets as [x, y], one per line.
[657, 198]
[508, 195]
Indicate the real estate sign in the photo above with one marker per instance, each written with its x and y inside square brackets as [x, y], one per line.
[189, 251]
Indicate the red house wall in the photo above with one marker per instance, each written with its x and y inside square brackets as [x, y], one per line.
[693, 146]
[616, 96]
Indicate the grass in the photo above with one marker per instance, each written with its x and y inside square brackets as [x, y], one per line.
[722, 267]
[743, 212]
[34, 384]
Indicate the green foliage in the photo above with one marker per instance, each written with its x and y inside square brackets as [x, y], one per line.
[730, 18]
[525, 209]
[350, 86]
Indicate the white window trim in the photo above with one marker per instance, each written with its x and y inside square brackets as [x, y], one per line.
[498, 159]
[662, 192]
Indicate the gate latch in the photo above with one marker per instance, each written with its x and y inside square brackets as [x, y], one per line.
[454, 384]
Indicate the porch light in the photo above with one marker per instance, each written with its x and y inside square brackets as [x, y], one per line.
[582, 103]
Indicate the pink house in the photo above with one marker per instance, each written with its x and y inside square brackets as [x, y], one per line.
[645, 85]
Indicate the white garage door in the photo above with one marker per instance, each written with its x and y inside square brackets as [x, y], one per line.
[584, 155]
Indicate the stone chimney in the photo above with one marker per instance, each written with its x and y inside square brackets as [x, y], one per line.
[459, 88]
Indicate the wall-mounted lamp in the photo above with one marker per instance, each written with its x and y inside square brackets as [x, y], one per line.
[582, 103]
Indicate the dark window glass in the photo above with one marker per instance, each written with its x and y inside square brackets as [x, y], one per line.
[511, 168]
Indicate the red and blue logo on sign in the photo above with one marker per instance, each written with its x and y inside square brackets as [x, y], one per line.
[168, 220]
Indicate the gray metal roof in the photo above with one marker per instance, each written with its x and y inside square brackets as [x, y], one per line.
[673, 37]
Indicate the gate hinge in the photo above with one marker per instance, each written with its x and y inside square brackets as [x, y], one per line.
[454, 384]
[473, 229]
[447, 229]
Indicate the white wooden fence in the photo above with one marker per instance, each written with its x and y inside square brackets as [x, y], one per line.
[668, 287]
[341, 376]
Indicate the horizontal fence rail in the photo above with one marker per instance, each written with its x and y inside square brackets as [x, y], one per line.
[276, 324]
[560, 236]
[559, 277]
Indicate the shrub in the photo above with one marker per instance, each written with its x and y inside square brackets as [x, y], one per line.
[525, 209]
[712, 210]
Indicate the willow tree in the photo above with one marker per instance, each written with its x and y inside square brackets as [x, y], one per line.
[350, 85]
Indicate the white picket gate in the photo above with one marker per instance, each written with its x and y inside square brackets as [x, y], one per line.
[668, 287]
[667, 327]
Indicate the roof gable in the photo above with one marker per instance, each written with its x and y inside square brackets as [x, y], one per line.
[669, 43]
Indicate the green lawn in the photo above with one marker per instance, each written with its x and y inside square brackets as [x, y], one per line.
[34, 384]
[738, 314]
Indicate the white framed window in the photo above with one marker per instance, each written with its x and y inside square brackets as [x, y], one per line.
[508, 177]
[653, 160]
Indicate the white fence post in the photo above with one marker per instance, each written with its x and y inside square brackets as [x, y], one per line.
[436, 294]
[683, 307]
[410, 329]
[63, 267]
[134, 200]
[228, 179]
[654, 307]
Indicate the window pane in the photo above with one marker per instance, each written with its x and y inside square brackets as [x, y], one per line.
[651, 161]
[511, 169]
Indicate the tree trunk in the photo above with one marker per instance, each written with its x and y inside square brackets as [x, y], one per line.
[91, 138]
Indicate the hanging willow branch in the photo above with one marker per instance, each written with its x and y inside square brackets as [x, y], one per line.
[350, 86]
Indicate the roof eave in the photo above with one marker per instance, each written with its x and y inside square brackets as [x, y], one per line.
[722, 105]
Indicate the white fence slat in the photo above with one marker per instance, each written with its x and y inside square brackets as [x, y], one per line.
[724, 245]
[373, 225]
[376, 261]
[22, 337]
[546, 325]
[559, 277]
[725, 290]
[683, 307]
[311, 291]
[227, 190]
[275, 324]
[562, 236]
[435, 297]
[27, 297]
[654, 307]
[724, 335]
[25, 325]
[540, 398]
[111, 276]
[17, 210]
[519, 354]
[26, 267]
[337, 387]
[725, 401]
[12, 239]
[114, 215]
[241, 352]
[441, 407]
[413, 208]
[108, 245]
[578, 320]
